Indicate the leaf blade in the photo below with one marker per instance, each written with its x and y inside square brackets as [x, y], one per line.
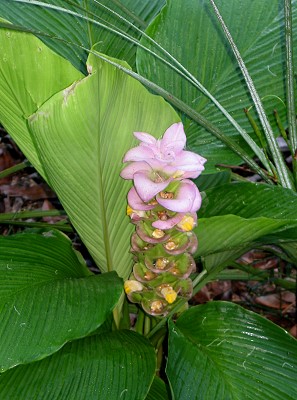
[225, 346]
[35, 325]
[96, 368]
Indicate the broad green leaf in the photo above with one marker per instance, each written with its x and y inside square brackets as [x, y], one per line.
[83, 133]
[190, 31]
[115, 366]
[227, 232]
[76, 32]
[291, 249]
[224, 238]
[48, 296]
[30, 73]
[207, 181]
[222, 351]
[214, 263]
[158, 390]
[250, 200]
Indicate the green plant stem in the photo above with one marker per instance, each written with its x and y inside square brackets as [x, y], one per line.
[281, 168]
[291, 113]
[140, 322]
[15, 168]
[31, 214]
[40, 225]
[146, 325]
[282, 130]
[200, 280]
[248, 273]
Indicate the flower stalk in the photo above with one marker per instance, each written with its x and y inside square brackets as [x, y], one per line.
[163, 205]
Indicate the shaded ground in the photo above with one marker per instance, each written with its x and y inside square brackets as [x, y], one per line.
[25, 190]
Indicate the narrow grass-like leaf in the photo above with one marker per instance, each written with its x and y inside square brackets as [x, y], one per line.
[283, 173]
[290, 83]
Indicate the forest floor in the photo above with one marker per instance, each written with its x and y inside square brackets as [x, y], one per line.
[25, 190]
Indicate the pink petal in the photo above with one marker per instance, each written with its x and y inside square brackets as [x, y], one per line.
[188, 198]
[174, 138]
[138, 153]
[136, 203]
[129, 171]
[169, 223]
[190, 161]
[145, 137]
[146, 188]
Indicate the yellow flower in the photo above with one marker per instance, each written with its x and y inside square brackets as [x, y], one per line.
[131, 286]
[169, 294]
[187, 223]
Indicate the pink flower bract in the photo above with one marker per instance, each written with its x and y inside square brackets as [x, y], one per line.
[166, 153]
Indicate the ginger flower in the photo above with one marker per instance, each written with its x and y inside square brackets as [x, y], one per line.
[157, 162]
[163, 205]
[167, 152]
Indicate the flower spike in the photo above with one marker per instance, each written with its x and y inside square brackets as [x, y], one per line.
[162, 204]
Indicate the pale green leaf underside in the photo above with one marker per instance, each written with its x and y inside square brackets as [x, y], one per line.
[30, 73]
[222, 351]
[78, 138]
[47, 297]
[120, 365]
[258, 31]
[83, 133]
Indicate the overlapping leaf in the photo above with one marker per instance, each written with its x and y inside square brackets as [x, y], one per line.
[158, 390]
[249, 200]
[236, 217]
[222, 351]
[70, 33]
[190, 32]
[47, 296]
[230, 232]
[83, 134]
[120, 365]
[30, 73]
[79, 137]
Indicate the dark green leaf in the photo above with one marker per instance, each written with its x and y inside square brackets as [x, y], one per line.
[207, 181]
[76, 31]
[158, 391]
[250, 200]
[115, 366]
[201, 47]
[222, 351]
[48, 296]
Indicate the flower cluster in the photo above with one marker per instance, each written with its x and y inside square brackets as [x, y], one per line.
[162, 204]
